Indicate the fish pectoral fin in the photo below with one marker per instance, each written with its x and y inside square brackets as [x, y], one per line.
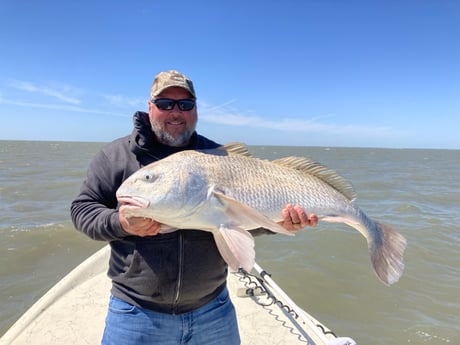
[236, 247]
[246, 216]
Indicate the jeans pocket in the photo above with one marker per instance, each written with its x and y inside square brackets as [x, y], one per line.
[223, 297]
[119, 306]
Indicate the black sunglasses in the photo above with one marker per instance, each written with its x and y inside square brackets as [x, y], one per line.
[168, 104]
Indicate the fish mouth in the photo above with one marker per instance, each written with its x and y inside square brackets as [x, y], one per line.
[133, 201]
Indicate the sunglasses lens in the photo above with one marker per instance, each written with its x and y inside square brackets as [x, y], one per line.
[164, 104]
[186, 104]
[168, 104]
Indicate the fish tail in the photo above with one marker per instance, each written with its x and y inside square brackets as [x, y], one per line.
[386, 253]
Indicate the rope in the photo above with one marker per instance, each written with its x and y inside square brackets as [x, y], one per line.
[254, 284]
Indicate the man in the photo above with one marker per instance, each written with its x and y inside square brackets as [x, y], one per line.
[166, 288]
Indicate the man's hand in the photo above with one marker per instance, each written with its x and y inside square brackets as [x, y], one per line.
[295, 218]
[138, 226]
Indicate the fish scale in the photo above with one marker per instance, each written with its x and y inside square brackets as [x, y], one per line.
[269, 187]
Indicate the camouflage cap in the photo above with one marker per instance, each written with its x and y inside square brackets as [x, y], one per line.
[171, 78]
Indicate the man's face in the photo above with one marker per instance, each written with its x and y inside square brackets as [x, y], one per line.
[173, 127]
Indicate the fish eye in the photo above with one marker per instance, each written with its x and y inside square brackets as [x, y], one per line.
[149, 177]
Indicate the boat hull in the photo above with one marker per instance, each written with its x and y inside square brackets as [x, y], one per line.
[74, 310]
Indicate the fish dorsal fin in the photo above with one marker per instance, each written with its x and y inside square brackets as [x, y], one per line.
[314, 168]
[236, 149]
[228, 149]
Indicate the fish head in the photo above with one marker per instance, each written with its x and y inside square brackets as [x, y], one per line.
[167, 191]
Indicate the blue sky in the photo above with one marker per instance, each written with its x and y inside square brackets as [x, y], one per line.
[306, 72]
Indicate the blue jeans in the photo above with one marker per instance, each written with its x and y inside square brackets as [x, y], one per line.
[214, 323]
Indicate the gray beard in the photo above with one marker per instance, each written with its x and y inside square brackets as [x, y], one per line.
[167, 139]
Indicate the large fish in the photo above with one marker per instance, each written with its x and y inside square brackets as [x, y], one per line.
[228, 192]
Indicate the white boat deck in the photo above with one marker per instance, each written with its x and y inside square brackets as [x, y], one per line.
[73, 312]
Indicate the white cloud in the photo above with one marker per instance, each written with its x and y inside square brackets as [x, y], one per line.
[63, 93]
[123, 101]
[62, 99]
[61, 107]
[225, 115]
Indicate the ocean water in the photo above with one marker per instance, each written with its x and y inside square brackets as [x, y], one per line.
[325, 269]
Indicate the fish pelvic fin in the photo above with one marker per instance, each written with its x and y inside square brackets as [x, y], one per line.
[387, 254]
[236, 247]
[320, 171]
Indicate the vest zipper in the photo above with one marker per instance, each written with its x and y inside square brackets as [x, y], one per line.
[180, 271]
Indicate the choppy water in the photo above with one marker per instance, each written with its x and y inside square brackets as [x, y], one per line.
[326, 269]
